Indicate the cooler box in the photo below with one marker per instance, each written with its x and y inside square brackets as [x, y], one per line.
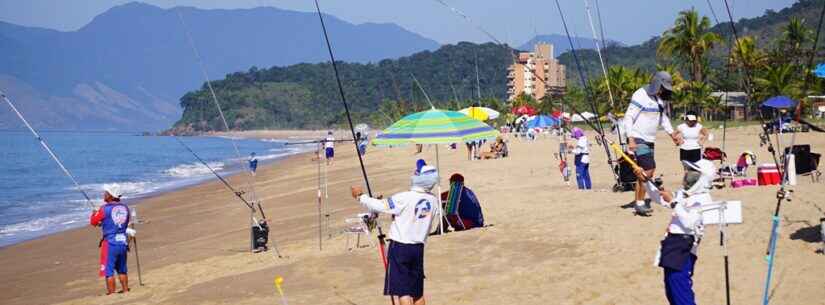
[768, 174]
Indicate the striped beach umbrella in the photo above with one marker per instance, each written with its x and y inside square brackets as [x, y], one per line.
[480, 113]
[435, 127]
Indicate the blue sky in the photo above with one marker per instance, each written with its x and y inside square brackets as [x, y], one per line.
[629, 21]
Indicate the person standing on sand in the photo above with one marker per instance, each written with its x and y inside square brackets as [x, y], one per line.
[693, 135]
[678, 251]
[329, 147]
[581, 151]
[412, 213]
[113, 219]
[644, 116]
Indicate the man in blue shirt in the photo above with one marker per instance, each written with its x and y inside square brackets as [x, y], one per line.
[113, 220]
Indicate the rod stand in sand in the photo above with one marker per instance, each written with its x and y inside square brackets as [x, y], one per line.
[134, 240]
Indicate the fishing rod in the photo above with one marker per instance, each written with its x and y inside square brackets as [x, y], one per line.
[415, 80]
[249, 181]
[601, 30]
[588, 93]
[599, 52]
[374, 217]
[234, 191]
[782, 194]
[48, 150]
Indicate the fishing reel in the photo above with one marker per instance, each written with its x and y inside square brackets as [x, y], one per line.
[658, 182]
[763, 139]
[784, 194]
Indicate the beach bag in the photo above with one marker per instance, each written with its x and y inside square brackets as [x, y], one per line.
[713, 154]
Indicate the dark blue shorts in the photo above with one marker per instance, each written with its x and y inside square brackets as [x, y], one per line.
[405, 271]
[644, 154]
[115, 260]
[330, 152]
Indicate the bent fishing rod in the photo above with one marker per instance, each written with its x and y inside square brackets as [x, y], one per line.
[374, 217]
[48, 150]
[782, 194]
[598, 128]
[234, 191]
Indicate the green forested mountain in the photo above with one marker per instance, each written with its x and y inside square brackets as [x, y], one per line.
[306, 95]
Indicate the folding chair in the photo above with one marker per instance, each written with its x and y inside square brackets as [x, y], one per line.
[357, 226]
[451, 204]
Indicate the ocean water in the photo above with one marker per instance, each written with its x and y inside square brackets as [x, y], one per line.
[37, 199]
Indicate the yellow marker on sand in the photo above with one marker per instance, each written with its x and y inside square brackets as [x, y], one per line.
[278, 281]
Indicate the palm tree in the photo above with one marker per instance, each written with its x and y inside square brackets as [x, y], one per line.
[777, 80]
[747, 55]
[794, 36]
[689, 39]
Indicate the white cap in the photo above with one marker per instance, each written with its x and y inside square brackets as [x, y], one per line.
[113, 189]
[691, 117]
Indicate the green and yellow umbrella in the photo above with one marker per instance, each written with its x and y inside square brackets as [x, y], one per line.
[435, 126]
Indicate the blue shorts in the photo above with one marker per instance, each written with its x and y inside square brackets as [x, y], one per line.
[644, 154]
[405, 270]
[113, 259]
[330, 152]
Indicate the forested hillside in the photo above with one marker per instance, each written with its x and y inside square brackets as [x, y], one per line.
[306, 95]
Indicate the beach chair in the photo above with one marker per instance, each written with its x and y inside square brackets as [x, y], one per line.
[714, 154]
[357, 226]
[451, 204]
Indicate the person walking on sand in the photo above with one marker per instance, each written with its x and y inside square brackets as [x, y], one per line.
[113, 219]
[412, 213]
[693, 135]
[329, 147]
[581, 151]
[644, 116]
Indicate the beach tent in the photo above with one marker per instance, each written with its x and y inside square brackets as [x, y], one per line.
[524, 109]
[820, 70]
[582, 117]
[542, 121]
[779, 102]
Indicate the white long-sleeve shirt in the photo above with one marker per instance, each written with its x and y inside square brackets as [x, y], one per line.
[644, 116]
[687, 214]
[413, 214]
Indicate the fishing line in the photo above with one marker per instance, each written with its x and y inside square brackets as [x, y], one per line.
[782, 194]
[601, 30]
[588, 93]
[599, 52]
[48, 149]
[205, 73]
[374, 217]
[415, 80]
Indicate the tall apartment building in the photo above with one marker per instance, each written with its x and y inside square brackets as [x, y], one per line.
[521, 77]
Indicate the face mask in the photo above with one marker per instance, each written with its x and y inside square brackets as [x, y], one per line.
[690, 179]
[665, 94]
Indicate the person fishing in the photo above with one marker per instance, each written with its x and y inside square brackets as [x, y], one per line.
[412, 213]
[329, 147]
[678, 252]
[644, 116]
[693, 137]
[113, 219]
[581, 151]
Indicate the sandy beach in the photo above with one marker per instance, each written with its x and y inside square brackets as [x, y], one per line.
[546, 242]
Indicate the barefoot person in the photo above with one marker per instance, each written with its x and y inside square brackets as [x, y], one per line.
[678, 252]
[412, 213]
[643, 117]
[113, 220]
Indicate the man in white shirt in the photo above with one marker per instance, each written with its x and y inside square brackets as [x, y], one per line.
[642, 120]
[329, 147]
[412, 213]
